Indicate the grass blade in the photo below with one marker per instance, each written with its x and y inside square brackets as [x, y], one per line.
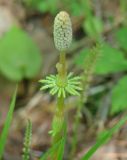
[4, 134]
[107, 136]
[58, 146]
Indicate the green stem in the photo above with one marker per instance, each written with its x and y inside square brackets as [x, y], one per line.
[59, 118]
[63, 71]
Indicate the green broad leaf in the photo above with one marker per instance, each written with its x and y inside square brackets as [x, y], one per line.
[42, 6]
[119, 96]
[76, 8]
[4, 134]
[93, 26]
[110, 61]
[87, 8]
[19, 55]
[47, 6]
[121, 36]
[53, 6]
[104, 138]
[80, 58]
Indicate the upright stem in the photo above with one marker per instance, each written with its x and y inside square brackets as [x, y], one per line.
[61, 66]
[59, 118]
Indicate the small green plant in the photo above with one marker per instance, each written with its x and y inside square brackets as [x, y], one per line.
[89, 66]
[111, 61]
[27, 141]
[62, 83]
[4, 134]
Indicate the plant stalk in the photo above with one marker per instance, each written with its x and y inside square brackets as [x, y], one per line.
[59, 118]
